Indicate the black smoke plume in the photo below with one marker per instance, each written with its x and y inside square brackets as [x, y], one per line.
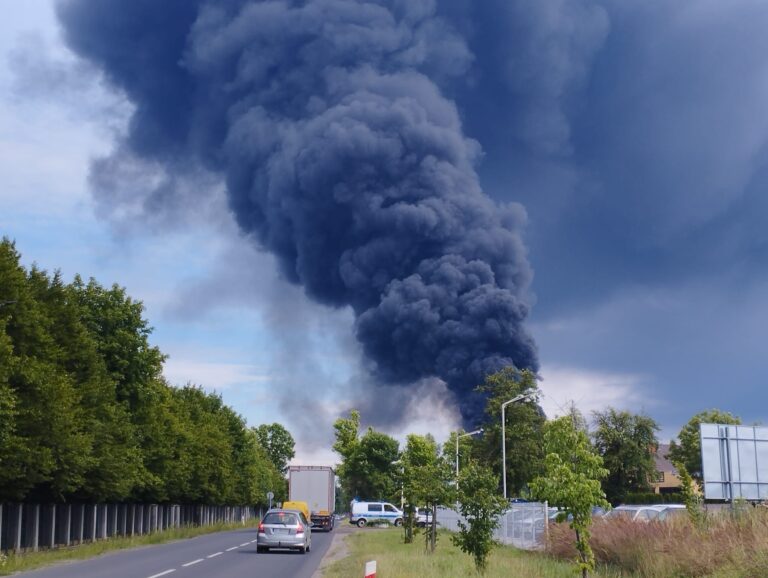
[341, 156]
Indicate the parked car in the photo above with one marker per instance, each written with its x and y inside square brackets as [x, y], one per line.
[284, 529]
[646, 513]
[669, 511]
[634, 513]
[558, 515]
[368, 512]
[423, 517]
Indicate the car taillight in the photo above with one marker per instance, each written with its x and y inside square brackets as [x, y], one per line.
[300, 529]
[261, 528]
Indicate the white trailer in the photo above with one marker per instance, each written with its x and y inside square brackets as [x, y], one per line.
[315, 485]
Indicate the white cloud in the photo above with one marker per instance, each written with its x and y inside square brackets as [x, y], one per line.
[430, 411]
[591, 390]
[212, 375]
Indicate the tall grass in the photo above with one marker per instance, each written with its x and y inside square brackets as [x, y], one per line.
[725, 545]
[397, 560]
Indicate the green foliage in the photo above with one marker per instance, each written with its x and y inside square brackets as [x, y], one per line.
[85, 413]
[368, 469]
[691, 497]
[427, 480]
[481, 505]
[638, 498]
[571, 481]
[277, 442]
[523, 429]
[688, 450]
[627, 443]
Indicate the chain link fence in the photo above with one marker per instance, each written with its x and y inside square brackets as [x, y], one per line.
[36, 526]
[523, 526]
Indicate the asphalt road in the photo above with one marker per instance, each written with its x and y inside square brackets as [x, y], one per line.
[221, 555]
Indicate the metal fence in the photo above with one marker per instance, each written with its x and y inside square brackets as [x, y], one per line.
[36, 526]
[524, 525]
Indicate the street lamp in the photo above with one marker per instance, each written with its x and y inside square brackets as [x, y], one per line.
[402, 482]
[515, 399]
[458, 436]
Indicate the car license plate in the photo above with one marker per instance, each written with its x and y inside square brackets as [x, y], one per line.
[281, 531]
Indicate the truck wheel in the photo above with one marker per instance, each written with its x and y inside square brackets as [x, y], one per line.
[398, 522]
[361, 523]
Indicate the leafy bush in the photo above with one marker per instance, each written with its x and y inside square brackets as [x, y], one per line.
[640, 498]
[480, 505]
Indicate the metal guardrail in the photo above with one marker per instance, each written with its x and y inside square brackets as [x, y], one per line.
[523, 526]
[30, 527]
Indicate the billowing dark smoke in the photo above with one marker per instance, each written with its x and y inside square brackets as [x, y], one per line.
[341, 156]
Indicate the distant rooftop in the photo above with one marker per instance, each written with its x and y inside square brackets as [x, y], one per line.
[662, 462]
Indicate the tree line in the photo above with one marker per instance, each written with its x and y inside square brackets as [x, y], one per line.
[566, 461]
[626, 442]
[86, 414]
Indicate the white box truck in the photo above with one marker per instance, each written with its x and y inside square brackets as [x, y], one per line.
[315, 485]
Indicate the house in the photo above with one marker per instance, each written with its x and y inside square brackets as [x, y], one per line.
[666, 480]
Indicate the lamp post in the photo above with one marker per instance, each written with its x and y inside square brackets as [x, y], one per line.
[515, 399]
[402, 482]
[458, 436]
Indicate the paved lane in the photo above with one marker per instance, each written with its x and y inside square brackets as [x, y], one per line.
[220, 555]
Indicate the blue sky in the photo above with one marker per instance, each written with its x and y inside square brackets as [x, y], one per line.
[633, 133]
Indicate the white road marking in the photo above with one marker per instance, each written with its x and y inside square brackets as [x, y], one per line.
[230, 549]
[241, 545]
[214, 555]
[192, 563]
[163, 573]
[254, 541]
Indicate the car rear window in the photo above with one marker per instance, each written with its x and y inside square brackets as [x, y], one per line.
[283, 518]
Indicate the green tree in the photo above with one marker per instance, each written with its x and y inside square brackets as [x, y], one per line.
[571, 481]
[627, 443]
[691, 496]
[277, 442]
[121, 333]
[524, 426]
[85, 413]
[207, 446]
[347, 432]
[54, 451]
[375, 462]
[131, 407]
[687, 451]
[427, 480]
[368, 468]
[11, 446]
[481, 505]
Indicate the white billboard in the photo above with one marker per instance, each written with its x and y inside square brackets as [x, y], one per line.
[734, 461]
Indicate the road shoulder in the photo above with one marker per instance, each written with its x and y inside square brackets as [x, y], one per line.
[338, 550]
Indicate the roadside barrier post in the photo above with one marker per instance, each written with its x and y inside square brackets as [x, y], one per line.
[370, 569]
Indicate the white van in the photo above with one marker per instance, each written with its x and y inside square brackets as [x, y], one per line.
[370, 512]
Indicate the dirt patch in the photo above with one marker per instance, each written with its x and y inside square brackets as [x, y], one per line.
[339, 548]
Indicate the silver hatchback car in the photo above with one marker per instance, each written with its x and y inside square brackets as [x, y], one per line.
[284, 529]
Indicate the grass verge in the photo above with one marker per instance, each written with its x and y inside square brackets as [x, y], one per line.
[397, 560]
[31, 560]
[725, 545]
